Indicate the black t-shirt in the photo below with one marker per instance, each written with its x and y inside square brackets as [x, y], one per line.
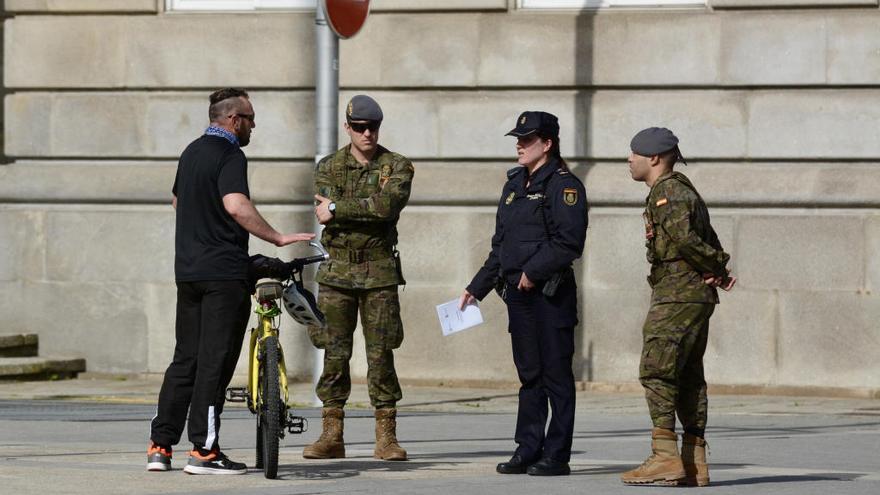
[209, 244]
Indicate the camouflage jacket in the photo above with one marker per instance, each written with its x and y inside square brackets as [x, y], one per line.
[682, 246]
[362, 235]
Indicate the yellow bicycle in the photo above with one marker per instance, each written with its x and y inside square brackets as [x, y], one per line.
[266, 393]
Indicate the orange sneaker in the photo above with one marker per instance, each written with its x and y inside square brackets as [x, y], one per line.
[158, 457]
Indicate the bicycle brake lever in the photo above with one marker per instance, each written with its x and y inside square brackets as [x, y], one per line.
[317, 245]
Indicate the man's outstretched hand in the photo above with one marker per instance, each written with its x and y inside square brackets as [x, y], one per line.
[286, 239]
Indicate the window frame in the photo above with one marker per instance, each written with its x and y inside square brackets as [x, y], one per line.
[606, 4]
[238, 5]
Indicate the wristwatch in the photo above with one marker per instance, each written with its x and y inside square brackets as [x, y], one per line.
[332, 208]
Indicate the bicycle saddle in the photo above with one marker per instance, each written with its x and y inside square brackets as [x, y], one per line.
[269, 290]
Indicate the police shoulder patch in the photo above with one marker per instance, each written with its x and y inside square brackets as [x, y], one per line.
[570, 196]
[662, 201]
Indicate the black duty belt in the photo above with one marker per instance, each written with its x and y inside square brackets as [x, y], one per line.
[359, 255]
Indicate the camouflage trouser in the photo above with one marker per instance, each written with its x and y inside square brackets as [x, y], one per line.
[383, 331]
[671, 368]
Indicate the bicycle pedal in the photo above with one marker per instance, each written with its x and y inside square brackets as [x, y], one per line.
[237, 394]
[297, 424]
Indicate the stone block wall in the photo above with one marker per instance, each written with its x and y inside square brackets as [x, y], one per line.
[776, 107]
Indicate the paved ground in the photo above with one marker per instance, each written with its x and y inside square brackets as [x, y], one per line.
[88, 437]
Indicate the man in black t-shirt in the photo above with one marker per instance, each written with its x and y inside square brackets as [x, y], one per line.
[214, 218]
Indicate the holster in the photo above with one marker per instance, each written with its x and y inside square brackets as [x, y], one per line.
[500, 285]
[552, 284]
[398, 266]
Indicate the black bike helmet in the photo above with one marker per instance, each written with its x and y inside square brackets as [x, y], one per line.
[301, 306]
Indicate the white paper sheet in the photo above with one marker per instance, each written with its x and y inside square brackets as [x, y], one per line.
[452, 320]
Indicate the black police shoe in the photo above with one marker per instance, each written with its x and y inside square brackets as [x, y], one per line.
[516, 465]
[549, 467]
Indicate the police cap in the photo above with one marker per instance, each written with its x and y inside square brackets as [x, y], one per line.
[362, 107]
[543, 123]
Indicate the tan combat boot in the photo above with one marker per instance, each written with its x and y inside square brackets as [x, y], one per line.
[693, 456]
[387, 447]
[330, 444]
[663, 467]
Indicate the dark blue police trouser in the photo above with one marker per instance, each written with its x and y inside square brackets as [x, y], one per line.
[542, 353]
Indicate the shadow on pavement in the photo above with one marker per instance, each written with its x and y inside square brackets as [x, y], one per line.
[789, 479]
[733, 432]
[502, 455]
[481, 398]
[599, 470]
[348, 469]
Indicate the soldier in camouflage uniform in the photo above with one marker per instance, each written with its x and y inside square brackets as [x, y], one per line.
[361, 190]
[687, 264]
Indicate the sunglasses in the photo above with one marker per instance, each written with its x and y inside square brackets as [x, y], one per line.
[360, 128]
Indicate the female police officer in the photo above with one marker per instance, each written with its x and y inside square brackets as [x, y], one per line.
[540, 230]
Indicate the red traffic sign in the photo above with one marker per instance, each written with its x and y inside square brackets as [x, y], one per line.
[346, 17]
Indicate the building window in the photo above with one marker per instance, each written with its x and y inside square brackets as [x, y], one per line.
[602, 4]
[239, 5]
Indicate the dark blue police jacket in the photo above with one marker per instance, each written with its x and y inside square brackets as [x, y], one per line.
[539, 229]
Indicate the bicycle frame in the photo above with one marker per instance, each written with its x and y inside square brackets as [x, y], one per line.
[267, 394]
[265, 328]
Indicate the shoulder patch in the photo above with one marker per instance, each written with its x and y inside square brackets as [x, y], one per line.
[570, 196]
[662, 201]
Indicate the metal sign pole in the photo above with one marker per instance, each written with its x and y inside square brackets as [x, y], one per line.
[327, 108]
[326, 86]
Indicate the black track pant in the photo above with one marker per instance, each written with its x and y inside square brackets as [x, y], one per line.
[211, 321]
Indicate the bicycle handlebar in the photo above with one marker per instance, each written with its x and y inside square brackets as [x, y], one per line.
[297, 264]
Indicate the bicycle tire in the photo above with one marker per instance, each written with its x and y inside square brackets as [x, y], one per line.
[259, 457]
[271, 408]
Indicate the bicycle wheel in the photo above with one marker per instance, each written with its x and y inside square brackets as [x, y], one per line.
[270, 421]
[259, 461]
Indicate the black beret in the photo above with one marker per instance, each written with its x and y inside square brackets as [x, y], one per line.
[653, 141]
[362, 107]
[545, 124]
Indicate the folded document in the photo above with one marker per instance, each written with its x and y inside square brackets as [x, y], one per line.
[454, 320]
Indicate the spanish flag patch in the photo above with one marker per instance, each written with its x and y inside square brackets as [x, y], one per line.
[570, 196]
[661, 202]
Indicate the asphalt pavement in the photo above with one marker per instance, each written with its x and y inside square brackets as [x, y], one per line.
[89, 437]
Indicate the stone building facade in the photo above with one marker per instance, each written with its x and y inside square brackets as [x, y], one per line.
[777, 103]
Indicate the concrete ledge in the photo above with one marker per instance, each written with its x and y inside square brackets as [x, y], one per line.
[22, 345]
[792, 391]
[26, 368]
[437, 5]
[636, 388]
[63, 6]
[770, 4]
